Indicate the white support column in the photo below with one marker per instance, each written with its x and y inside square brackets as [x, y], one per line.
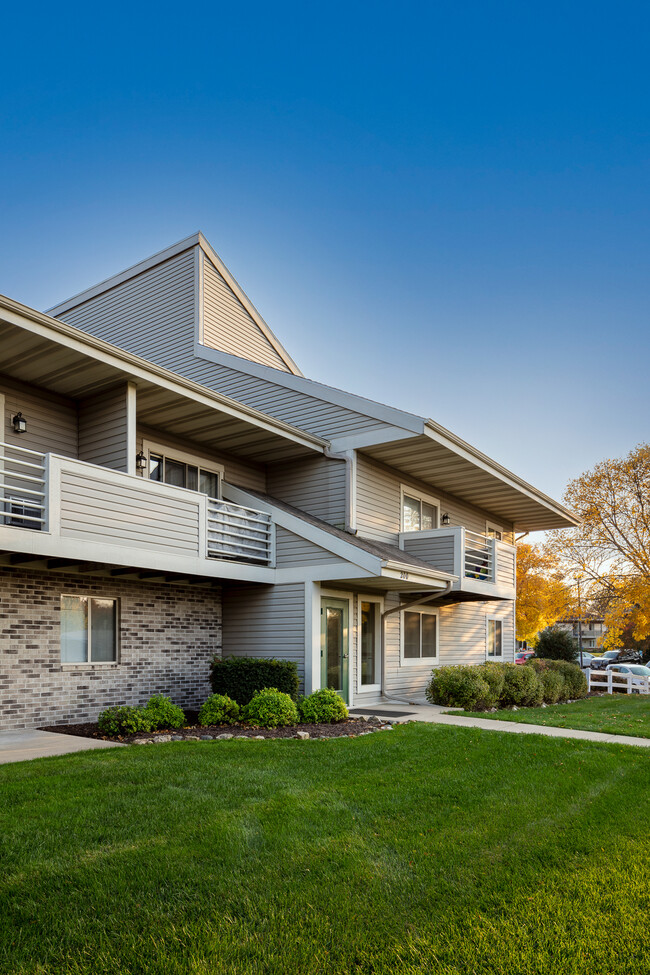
[131, 419]
[312, 636]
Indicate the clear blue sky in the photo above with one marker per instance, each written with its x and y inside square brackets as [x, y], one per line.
[441, 206]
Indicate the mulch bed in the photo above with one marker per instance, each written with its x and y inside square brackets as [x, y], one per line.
[350, 728]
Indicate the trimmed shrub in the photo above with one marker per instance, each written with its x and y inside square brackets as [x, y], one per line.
[218, 709]
[123, 720]
[241, 677]
[553, 685]
[163, 714]
[575, 682]
[494, 675]
[521, 687]
[459, 687]
[323, 707]
[270, 708]
[557, 644]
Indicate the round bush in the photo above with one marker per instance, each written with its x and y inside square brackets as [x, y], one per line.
[521, 687]
[555, 643]
[270, 708]
[219, 709]
[323, 707]
[494, 675]
[163, 714]
[123, 720]
[459, 687]
[575, 681]
[553, 685]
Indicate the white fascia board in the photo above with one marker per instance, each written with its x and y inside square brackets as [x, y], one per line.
[338, 397]
[73, 338]
[236, 288]
[126, 275]
[449, 440]
[396, 570]
[304, 529]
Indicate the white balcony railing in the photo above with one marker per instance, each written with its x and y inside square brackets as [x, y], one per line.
[23, 499]
[238, 533]
[478, 557]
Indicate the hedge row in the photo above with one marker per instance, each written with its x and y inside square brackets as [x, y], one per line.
[241, 677]
[491, 685]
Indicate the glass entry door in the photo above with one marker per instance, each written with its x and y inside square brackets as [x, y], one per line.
[335, 645]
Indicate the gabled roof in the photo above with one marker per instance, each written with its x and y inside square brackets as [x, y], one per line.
[217, 293]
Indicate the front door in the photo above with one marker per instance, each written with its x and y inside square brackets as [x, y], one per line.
[334, 645]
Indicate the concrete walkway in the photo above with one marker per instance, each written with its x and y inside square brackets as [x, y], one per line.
[436, 715]
[19, 746]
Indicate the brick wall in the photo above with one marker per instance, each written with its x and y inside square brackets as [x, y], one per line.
[167, 636]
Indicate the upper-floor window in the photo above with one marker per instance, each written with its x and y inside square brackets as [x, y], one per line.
[183, 470]
[420, 512]
[494, 531]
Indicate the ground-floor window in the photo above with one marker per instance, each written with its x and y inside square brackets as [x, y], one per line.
[88, 630]
[419, 636]
[494, 638]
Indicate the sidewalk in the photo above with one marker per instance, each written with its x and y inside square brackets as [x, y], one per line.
[19, 746]
[436, 715]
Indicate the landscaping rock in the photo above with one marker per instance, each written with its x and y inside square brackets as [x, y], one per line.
[227, 737]
[161, 739]
[208, 737]
[303, 735]
[177, 738]
[143, 741]
[258, 737]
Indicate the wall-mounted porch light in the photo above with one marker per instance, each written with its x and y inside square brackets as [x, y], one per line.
[141, 461]
[20, 423]
[445, 520]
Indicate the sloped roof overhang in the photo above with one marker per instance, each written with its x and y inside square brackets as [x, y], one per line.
[441, 459]
[60, 358]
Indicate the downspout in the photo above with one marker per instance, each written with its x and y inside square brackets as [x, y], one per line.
[398, 609]
[521, 537]
[349, 458]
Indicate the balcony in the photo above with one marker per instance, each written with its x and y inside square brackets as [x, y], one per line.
[486, 567]
[61, 507]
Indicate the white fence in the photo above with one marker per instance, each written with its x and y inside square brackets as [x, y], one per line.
[238, 533]
[609, 681]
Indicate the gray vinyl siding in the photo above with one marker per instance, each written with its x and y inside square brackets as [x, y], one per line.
[316, 486]
[292, 550]
[461, 640]
[265, 621]
[118, 514]
[227, 325]
[103, 429]
[436, 551]
[51, 420]
[152, 314]
[379, 499]
[236, 470]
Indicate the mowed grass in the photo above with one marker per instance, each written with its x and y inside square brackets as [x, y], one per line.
[426, 849]
[613, 714]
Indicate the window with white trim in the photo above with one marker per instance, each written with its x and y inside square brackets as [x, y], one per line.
[494, 639]
[494, 531]
[180, 469]
[88, 630]
[419, 511]
[419, 643]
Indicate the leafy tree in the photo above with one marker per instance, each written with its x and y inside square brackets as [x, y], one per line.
[611, 548]
[556, 643]
[542, 596]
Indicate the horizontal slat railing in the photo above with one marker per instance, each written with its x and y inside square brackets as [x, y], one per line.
[238, 534]
[23, 499]
[478, 557]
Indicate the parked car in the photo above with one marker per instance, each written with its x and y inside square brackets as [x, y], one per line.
[587, 657]
[600, 663]
[640, 676]
[524, 656]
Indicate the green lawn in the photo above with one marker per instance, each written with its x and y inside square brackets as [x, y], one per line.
[426, 849]
[614, 714]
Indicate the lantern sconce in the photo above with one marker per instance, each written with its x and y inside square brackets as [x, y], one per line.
[445, 519]
[20, 423]
[141, 461]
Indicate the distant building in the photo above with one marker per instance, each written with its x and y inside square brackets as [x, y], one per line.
[593, 630]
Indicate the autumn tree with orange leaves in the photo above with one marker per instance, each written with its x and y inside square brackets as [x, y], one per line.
[542, 596]
[610, 550]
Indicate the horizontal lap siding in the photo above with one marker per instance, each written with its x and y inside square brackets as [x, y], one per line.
[103, 429]
[236, 470]
[152, 314]
[316, 486]
[505, 567]
[265, 621]
[227, 326]
[121, 515]
[291, 550]
[378, 502]
[51, 420]
[462, 640]
[438, 551]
